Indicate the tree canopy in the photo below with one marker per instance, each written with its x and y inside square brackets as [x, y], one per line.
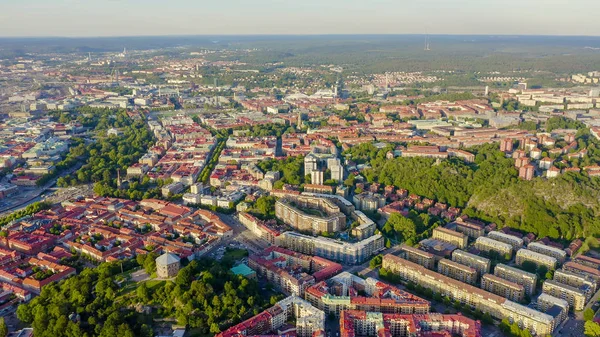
[205, 295]
[565, 207]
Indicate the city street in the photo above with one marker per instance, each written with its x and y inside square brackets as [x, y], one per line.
[29, 195]
[241, 235]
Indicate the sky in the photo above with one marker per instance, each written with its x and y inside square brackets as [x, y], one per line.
[77, 18]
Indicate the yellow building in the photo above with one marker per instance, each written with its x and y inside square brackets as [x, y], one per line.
[537, 258]
[518, 276]
[479, 263]
[486, 244]
[447, 235]
[418, 256]
[457, 271]
[512, 291]
[499, 307]
[575, 297]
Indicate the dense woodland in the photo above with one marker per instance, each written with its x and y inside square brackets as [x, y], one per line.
[106, 156]
[565, 207]
[205, 296]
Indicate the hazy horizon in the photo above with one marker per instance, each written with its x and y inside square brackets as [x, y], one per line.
[129, 18]
[290, 35]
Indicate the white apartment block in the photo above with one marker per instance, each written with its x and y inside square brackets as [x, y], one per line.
[487, 245]
[512, 240]
[537, 258]
[538, 247]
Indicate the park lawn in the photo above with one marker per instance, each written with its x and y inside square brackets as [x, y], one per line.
[153, 284]
[235, 254]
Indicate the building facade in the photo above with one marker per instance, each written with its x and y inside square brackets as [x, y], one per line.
[554, 306]
[481, 264]
[574, 296]
[497, 306]
[447, 235]
[469, 227]
[418, 256]
[488, 245]
[335, 250]
[518, 276]
[538, 247]
[512, 240]
[363, 323]
[167, 265]
[310, 321]
[537, 258]
[499, 286]
[457, 271]
[583, 282]
[341, 293]
[324, 215]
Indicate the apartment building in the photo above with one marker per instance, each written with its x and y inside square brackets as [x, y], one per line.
[447, 235]
[335, 250]
[537, 258]
[538, 247]
[366, 227]
[553, 306]
[368, 201]
[470, 227]
[574, 296]
[290, 271]
[342, 293]
[310, 321]
[499, 286]
[497, 306]
[588, 261]
[267, 230]
[582, 282]
[363, 323]
[518, 276]
[481, 264]
[581, 269]
[418, 256]
[309, 214]
[457, 271]
[488, 245]
[512, 240]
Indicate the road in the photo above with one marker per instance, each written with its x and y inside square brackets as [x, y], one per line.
[574, 326]
[140, 275]
[364, 269]
[30, 195]
[240, 235]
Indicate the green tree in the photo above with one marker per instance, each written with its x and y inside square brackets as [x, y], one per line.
[24, 314]
[184, 277]
[142, 292]
[376, 261]
[214, 328]
[529, 266]
[350, 180]
[3, 328]
[265, 206]
[592, 329]
[400, 228]
[588, 314]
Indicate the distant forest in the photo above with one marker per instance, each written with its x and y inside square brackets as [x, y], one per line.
[356, 53]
